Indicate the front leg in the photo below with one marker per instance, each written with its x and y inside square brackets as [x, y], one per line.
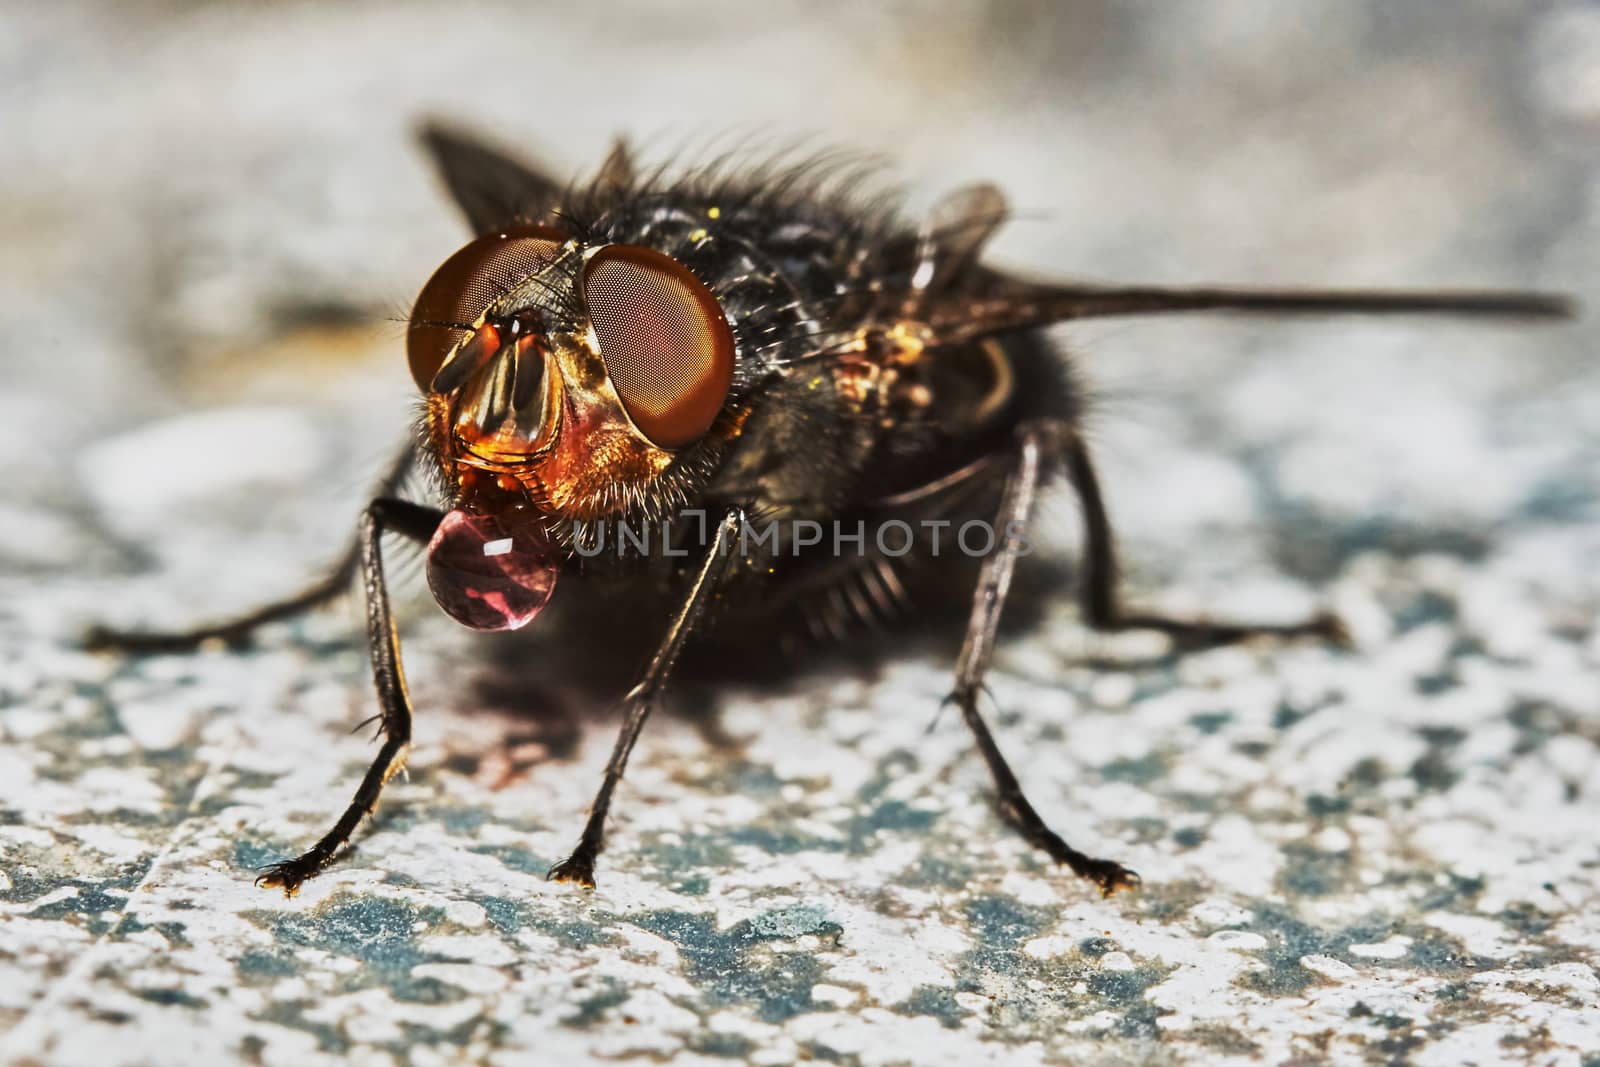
[418, 523]
[637, 705]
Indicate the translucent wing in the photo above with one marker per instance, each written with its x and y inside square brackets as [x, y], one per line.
[619, 169]
[953, 235]
[490, 187]
[997, 304]
[960, 300]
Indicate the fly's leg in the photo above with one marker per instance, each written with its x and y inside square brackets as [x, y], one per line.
[988, 600]
[1102, 606]
[637, 705]
[418, 523]
[237, 631]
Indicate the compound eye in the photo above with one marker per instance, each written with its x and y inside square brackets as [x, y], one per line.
[664, 339]
[463, 288]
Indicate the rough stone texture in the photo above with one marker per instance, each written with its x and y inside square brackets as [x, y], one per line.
[1384, 855]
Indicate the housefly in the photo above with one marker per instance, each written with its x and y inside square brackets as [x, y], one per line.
[722, 353]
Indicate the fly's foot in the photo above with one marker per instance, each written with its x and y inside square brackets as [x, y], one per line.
[147, 642]
[1330, 628]
[1109, 875]
[290, 874]
[110, 639]
[99, 638]
[578, 867]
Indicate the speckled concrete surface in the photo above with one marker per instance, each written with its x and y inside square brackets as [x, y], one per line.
[1380, 855]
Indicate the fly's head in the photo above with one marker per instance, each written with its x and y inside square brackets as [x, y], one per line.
[563, 382]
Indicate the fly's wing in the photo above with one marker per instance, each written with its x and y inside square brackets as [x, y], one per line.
[490, 187]
[619, 169]
[1000, 304]
[952, 237]
[958, 299]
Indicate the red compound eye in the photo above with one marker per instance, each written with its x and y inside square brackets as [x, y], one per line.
[664, 339]
[465, 285]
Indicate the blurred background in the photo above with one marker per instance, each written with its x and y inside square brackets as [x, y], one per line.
[219, 206]
[213, 218]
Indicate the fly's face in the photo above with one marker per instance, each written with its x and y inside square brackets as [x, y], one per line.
[562, 379]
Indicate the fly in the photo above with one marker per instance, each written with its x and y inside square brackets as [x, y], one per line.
[741, 360]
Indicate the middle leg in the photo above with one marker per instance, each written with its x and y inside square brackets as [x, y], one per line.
[988, 600]
[239, 629]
